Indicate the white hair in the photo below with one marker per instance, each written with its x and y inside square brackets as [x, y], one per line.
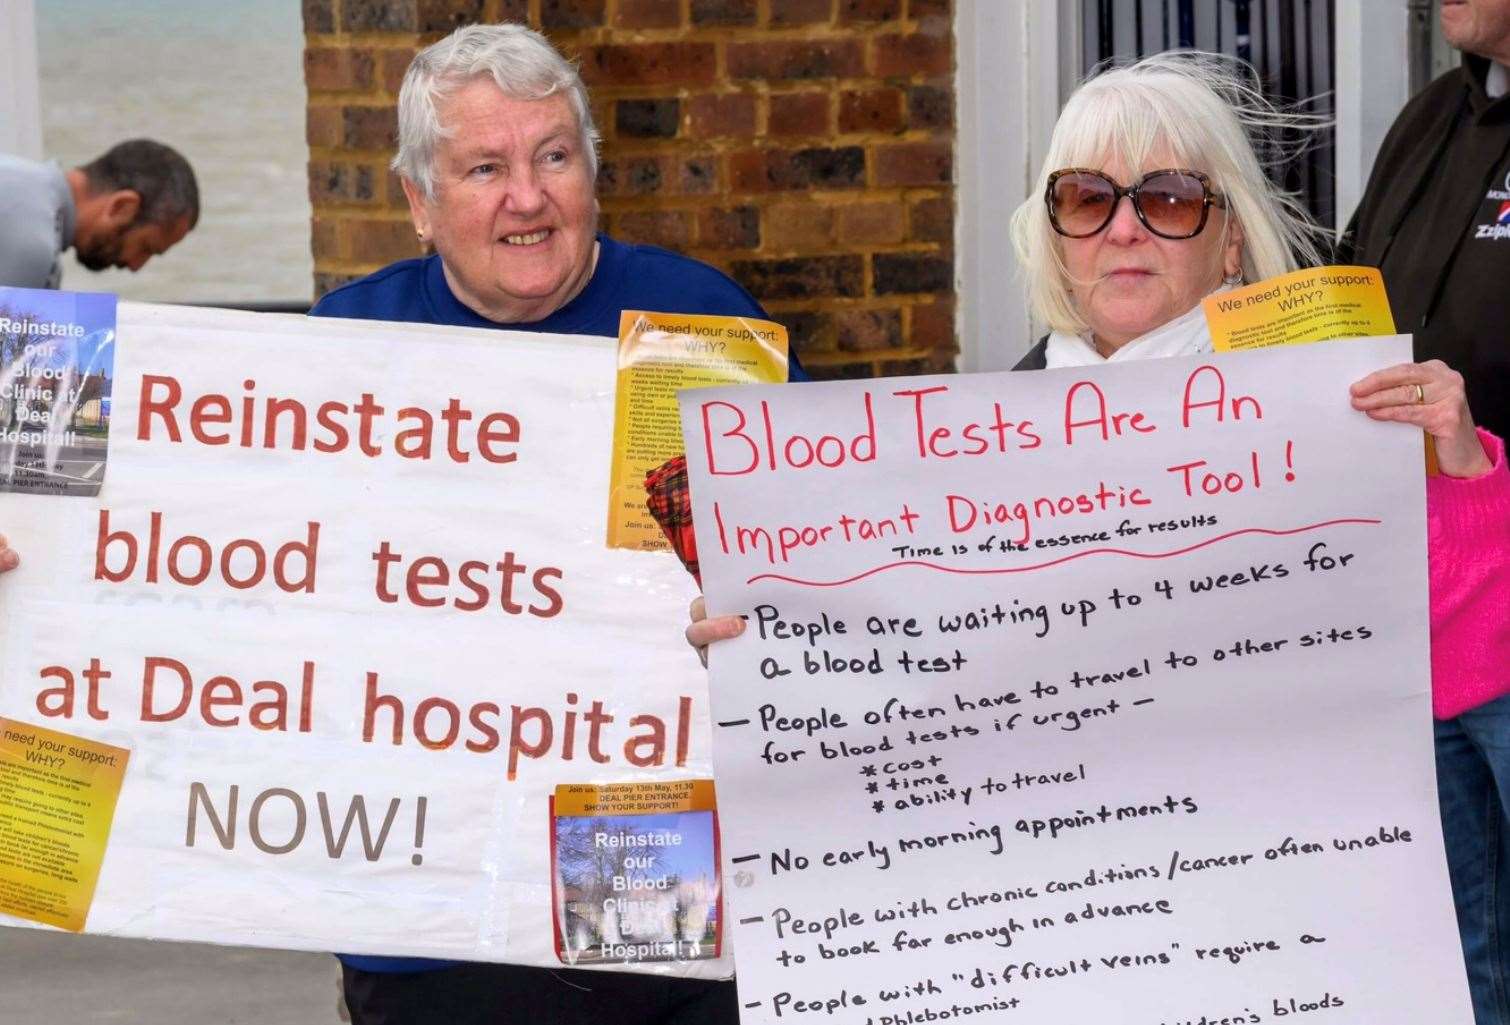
[1204, 112]
[522, 62]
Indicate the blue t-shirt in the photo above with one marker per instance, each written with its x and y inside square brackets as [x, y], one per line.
[626, 278]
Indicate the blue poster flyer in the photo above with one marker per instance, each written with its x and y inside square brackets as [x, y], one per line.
[57, 355]
[635, 869]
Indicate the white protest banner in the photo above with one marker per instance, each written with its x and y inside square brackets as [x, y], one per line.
[1091, 695]
[344, 604]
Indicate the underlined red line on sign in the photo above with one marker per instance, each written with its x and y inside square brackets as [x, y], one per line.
[1063, 559]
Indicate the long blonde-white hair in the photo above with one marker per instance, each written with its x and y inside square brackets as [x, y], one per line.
[1203, 111]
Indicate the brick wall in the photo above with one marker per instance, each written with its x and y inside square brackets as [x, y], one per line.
[804, 146]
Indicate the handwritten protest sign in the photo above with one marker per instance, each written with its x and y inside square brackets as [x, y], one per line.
[1083, 695]
[344, 599]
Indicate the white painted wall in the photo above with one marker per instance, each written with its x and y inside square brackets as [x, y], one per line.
[1011, 55]
[1373, 83]
[20, 111]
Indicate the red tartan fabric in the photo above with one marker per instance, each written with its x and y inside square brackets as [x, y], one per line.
[669, 499]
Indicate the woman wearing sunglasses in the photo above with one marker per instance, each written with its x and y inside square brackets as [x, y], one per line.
[1153, 198]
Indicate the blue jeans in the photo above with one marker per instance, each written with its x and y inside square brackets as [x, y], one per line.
[1473, 786]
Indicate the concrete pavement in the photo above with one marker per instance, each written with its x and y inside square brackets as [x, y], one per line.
[89, 979]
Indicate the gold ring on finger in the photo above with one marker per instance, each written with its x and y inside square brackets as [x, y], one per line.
[1420, 394]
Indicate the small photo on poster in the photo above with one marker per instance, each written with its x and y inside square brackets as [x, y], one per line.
[57, 355]
[636, 887]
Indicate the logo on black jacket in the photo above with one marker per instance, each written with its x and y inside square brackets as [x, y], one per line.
[1498, 225]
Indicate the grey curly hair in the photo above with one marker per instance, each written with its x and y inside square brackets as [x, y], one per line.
[521, 61]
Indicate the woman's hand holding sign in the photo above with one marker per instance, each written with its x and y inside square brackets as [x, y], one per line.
[1431, 396]
[703, 630]
[8, 558]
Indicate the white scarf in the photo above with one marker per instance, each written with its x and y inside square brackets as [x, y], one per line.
[1185, 335]
[1497, 82]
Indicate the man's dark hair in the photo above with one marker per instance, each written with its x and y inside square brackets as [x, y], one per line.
[157, 173]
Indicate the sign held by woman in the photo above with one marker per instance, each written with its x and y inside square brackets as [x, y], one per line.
[1095, 694]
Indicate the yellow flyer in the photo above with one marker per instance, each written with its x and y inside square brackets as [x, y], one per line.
[642, 798]
[659, 355]
[57, 802]
[1312, 305]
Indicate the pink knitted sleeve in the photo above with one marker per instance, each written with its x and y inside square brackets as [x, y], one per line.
[1468, 555]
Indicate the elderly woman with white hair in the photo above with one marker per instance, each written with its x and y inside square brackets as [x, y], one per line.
[1174, 136]
[497, 154]
[1153, 198]
[498, 158]
[1118, 281]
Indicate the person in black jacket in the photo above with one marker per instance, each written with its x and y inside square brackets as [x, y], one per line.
[1435, 217]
